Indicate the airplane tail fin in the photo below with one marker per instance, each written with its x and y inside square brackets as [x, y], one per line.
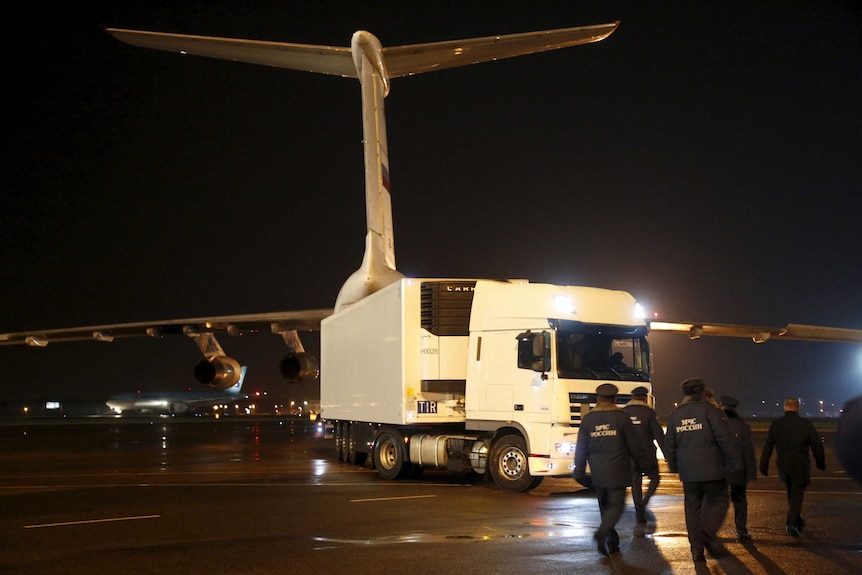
[236, 388]
[373, 65]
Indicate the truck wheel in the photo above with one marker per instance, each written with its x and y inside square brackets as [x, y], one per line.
[390, 455]
[353, 456]
[508, 464]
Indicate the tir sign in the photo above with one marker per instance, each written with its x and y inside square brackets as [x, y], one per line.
[426, 406]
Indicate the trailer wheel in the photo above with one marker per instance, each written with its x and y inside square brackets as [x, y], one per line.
[509, 465]
[390, 454]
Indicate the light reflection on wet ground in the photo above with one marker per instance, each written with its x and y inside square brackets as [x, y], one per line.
[337, 507]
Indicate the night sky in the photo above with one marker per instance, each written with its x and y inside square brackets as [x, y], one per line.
[706, 157]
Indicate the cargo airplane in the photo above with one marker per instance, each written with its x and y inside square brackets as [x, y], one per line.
[374, 66]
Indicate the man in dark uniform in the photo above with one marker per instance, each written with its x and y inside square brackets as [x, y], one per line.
[699, 445]
[646, 423]
[739, 479]
[792, 437]
[608, 441]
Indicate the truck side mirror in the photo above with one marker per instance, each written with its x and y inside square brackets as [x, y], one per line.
[534, 351]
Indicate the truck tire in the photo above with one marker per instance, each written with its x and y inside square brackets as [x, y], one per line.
[390, 454]
[509, 464]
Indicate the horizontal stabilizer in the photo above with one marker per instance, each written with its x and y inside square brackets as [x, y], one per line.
[321, 59]
[417, 58]
[338, 61]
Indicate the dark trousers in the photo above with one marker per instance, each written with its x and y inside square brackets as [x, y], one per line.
[639, 498]
[611, 505]
[795, 496]
[706, 505]
[739, 499]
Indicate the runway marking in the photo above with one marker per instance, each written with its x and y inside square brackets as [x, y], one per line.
[807, 492]
[391, 498]
[111, 519]
[31, 487]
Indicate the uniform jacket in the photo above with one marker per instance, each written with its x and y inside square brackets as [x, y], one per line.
[745, 451]
[792, 437]
[608, 441]
[646, 423]
[699, 444]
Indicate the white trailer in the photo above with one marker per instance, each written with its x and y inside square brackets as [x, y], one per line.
[475, 375]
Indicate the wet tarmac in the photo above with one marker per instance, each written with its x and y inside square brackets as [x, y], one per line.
[254, 496]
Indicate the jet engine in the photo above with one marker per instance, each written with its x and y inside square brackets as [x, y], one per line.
[221, 372]
[299, 367]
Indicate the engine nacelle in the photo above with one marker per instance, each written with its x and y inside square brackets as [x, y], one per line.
[220, 373]
[299, 368]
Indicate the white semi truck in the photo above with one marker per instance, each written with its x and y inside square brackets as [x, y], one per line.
[475, 375]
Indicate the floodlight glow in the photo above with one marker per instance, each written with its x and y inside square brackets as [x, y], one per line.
[639, 311]
[564, 303]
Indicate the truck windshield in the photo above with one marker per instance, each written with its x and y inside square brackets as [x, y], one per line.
[588, 351]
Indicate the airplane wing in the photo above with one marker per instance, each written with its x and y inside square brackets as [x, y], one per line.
[273, 322]
[761, 334]
[309, 320]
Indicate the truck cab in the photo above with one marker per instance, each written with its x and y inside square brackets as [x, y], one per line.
[535, 384]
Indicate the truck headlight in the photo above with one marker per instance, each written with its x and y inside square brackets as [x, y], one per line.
[565, 448]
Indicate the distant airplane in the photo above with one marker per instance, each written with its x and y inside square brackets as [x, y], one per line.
[373, 66]
[176, 402]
